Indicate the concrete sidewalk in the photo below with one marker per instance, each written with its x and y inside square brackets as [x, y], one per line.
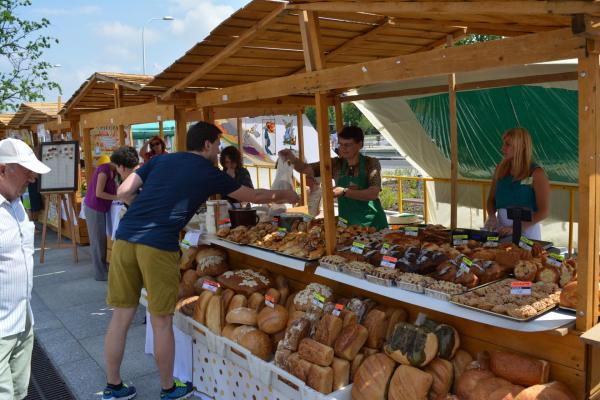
[71, 318]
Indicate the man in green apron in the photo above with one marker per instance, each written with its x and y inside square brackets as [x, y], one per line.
[357, 180]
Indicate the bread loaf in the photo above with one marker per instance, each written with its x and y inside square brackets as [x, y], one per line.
[442, 373]
[187, 305]
[272, 320]
[215, 319]
[506, 392]
[189, 277]
[519, 369]
[201, 305]
[328, 329]
[303, 300]
[210, 264]
[295, 333]
[187, 258]
[258, 343]
[376, 324]
[367, 351]
[372, 378]
[341, 373]
[298, 366]
[281, 358]
[459, 362]
[350, 341]
[448, 341]
[226, 297]
[348, 317]
[294, 316]
[315, 352]
[281, 284]
[355, 364]
[242, 316]
[320, 378]
[228, 331]
[277, 337]
[394, 316]
[245, 281]
[409, 383]
[485, 387]
[412, 345]
[185, 291]
[241, 331]
[256, 301]
[549, 391]
[568, 296]
[469, 380]
[239, 300]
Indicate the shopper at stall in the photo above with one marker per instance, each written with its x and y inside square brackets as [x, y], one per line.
[146, 250]
[18, 167]
[518, 182]
[102, 190]
[357, 179]
[152, 147]
[126, 160]
[231, 161]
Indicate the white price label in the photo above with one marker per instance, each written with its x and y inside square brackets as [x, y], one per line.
[389, 261]
[318, 300]
[525, 243]
[458, 240]
[555, 260]
[210, 285]
[342, 222]
[411, 231]
[520, 288]
[357, 247]
[338, 309]
[269, 301]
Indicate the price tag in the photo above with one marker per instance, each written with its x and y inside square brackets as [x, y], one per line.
[338, 309]
[525, 243]
[269, 301]
[281, 232]
[555, 260]
[520, 288]
[492, 241]
[389, 261]
[465, 265]
[411, 231]
[342, 222]
[318, 300]
[358, 247]
[275, 221]
[210, 285]
[224, 223]
[458, 240]
[190, 239]
[385, 248]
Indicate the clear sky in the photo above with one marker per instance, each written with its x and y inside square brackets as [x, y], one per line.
[105, 36]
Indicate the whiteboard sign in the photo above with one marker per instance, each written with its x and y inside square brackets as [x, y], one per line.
[62, 158]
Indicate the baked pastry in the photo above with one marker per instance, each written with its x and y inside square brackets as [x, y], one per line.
[548, 274]
[409, 383]
[244, 281]
[372, 379]
[568, 295]
[525, 270]
[412, 345]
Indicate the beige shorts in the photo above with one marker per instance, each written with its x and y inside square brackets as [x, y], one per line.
[133, 266]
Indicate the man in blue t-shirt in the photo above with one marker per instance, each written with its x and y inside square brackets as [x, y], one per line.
[146, 250]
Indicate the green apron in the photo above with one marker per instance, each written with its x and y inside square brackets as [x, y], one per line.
[359, 212]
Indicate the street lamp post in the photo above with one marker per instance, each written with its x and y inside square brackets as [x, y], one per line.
[165, 18]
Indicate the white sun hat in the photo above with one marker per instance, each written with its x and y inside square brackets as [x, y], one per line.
[15, 151]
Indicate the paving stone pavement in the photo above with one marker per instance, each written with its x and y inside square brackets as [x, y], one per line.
[71, 318]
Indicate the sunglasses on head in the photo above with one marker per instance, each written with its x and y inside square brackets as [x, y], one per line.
[155, 144]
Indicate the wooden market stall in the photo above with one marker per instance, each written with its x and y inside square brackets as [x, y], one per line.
[270, 51]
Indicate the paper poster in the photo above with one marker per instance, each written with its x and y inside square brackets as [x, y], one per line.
[105, 140]
[269, 136]
[62, 159]
[289, 135]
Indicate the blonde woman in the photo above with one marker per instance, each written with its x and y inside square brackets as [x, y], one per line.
[518, 182]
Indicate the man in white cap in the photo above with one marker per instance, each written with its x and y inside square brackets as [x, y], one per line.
[18, 167]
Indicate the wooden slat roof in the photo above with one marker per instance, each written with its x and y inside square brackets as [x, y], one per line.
[33, 113]
[354, 32]
[97, 92]
[5, 119]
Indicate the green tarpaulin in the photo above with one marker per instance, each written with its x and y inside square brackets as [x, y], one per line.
[550, 115]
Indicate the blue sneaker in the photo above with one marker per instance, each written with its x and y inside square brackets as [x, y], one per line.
[125, 393]
[182, 391]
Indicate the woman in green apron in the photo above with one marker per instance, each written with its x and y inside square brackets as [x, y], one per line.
[357, 178]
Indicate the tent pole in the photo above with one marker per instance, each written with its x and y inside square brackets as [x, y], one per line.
[453, 146]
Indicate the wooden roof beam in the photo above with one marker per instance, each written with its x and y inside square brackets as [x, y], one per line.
[538, 47]
[229, 50]
[522, 7]
[586, 25]
[117, 81]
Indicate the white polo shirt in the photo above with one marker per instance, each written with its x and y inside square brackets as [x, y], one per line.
[16, 266]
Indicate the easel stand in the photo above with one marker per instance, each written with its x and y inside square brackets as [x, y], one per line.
[60, 200]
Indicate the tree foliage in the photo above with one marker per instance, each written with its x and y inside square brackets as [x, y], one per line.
[23, 72]
[352, 116]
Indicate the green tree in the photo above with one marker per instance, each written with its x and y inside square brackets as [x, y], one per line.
[475, 38]
[352, 116]
[24, 74]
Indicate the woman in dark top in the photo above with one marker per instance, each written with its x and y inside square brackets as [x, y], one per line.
[231, 161]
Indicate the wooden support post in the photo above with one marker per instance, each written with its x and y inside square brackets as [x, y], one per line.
[87, 155]
[180, 131]
[240, 136]
[322, 104]
[122, 135]
[589, 176]
[453, 146]
[75, 129]
[208, 114]
[300, 123]
[161, 131]
[339, 115]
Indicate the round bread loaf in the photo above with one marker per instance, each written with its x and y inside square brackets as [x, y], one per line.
[409, 383]
[469, 380]
[272, 320]
[242, 316]
[244, 281]
[239, 300]
[258, 342]
[201, 306]
[187, 305]
[373, 377]
[442, 372]
[506, 392]
[228, 330]
[486, 386]
[549, 391]
[189, 278]
[274, 294]
[256, 301]
[210, 265]
[241, 331]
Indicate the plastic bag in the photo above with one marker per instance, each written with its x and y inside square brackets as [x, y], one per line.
[284, 180]
[314, 197]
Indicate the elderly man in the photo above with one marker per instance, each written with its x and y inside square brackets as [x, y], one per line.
[18, 167]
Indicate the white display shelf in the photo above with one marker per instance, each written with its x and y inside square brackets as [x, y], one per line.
[548, 322]
[266, 255]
